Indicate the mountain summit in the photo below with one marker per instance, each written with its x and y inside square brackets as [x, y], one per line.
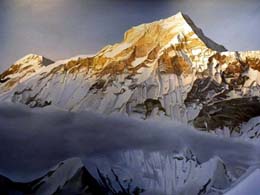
[166, 69]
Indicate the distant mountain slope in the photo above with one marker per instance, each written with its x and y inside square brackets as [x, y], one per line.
[69, 177]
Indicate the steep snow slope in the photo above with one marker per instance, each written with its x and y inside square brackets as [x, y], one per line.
[62, 179]
[170, 174]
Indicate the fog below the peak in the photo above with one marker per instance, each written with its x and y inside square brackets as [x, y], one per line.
[32, 141]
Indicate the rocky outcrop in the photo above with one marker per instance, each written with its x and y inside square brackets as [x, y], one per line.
[228, 113]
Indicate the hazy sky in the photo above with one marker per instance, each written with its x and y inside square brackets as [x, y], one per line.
[63, 28]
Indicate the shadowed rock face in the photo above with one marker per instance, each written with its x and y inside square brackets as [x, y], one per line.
[206, 90]
[227, 113]
[227, 92]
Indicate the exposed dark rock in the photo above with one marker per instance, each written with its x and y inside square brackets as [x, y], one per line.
[227, 113]
[205, 90]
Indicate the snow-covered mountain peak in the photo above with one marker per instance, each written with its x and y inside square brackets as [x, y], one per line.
[33, 59]
[59, 176]
[176, 30]
[73, 164]
[21, 70]
[167, 68]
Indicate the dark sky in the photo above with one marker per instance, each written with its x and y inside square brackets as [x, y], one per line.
[63, 28]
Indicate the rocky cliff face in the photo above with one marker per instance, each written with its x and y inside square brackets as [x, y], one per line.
[228, 91]
[166, 69]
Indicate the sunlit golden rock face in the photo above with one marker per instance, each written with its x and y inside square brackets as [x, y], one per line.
[169, 64]
[148, 41]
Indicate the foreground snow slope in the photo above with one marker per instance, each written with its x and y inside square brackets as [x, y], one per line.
[158, 174]
[178, 173]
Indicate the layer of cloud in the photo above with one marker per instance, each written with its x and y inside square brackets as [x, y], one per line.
[32, 141]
